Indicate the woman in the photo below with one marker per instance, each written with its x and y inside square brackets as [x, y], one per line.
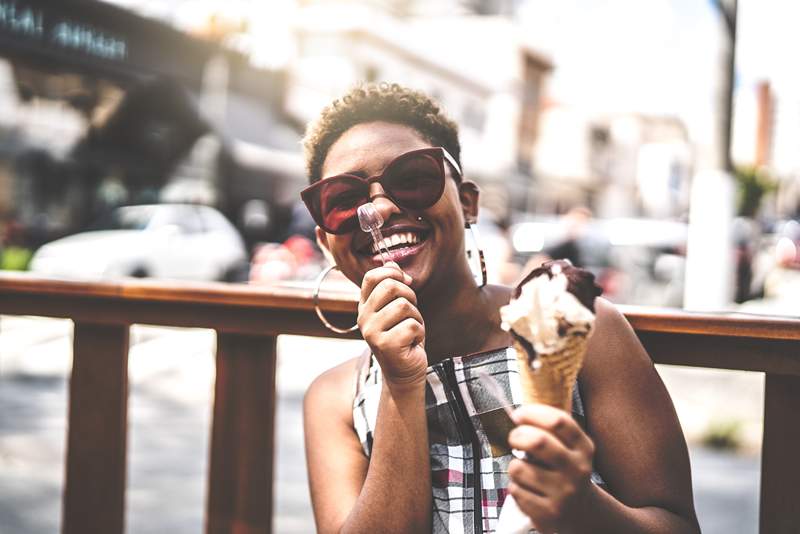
[391, 438]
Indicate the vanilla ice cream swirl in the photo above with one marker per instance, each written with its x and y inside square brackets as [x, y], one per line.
[546, 313]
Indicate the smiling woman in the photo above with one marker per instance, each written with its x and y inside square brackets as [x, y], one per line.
[418, 445]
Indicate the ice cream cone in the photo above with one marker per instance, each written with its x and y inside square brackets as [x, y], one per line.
[550, 317]
[552, 381]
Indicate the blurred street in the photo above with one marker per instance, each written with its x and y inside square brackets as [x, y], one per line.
[171, 375]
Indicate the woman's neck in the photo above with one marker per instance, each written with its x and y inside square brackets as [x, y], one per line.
[461, 321]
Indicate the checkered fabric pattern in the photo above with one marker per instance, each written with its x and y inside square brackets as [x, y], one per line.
[467, 430]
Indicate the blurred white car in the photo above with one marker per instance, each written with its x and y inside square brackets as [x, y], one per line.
[180, 241]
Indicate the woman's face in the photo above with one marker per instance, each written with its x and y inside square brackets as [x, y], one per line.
[435, 243]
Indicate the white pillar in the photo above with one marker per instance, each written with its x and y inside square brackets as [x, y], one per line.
[709, 255]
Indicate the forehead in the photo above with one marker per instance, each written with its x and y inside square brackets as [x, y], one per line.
[369, 147]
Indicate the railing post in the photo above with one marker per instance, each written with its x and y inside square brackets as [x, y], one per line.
[242, 436]
[94, 494]
[780, 456]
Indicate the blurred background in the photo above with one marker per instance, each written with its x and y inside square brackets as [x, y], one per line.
[654, 143]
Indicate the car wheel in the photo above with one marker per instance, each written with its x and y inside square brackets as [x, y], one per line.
[139, 272]
[238, 272]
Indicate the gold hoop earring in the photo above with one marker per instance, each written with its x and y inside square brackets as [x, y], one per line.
[317, 309]
[481, 259]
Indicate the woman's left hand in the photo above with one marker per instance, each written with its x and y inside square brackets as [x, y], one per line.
[558, 469]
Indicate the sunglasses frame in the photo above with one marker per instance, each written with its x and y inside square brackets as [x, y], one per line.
[308, 194]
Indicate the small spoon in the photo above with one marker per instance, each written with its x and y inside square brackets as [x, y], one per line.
[371, 221]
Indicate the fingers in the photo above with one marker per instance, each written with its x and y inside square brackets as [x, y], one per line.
[374, 276]
[541, 446]
[544, 494]
[558, 423]
[400, 350]
[392, 325]
[533, 478]
[386, 300]
[390, 317]
[389, 302]
[550, 469]
[407, 332]
[544, 512]
[386, 291]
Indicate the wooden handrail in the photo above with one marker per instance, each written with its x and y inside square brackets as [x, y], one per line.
[298, 297]
[289, 310]
[248, 319]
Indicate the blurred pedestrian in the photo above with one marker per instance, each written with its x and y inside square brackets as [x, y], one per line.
[584, 247]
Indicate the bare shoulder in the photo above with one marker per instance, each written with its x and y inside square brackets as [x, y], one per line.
[609, 320]
[614, 351]
[332, 391]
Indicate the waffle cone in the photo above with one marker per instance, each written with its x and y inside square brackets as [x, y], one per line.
[553, 381]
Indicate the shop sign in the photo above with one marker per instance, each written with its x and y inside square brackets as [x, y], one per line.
[30, 22]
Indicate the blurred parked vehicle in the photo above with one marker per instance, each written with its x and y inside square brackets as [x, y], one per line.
[182, 241]
[636, 261]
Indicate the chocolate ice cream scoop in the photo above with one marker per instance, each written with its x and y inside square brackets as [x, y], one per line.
[550, 318]
[552, 303]
[580, 281]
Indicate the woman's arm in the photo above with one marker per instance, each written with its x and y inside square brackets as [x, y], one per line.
[637, 446]
[390, 492]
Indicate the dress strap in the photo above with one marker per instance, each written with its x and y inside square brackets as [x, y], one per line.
[362, 371]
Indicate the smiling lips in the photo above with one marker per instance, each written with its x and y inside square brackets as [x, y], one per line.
[396, 240]
[401, 243]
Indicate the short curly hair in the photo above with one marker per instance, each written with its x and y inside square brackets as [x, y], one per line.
[378, 102]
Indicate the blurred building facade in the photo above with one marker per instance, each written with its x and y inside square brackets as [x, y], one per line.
[766, 133]
[101, 107]
[619, 165]
[424, 8]
[177, 115]
[478, 67]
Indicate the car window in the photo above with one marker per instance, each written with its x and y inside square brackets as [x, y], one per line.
[190, 221]
[126, 218]
[184, 217]
[213, 221]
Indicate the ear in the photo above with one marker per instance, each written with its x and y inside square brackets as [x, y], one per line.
[322, 241]
[469, 193]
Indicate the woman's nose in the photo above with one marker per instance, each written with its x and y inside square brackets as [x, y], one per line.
[385, 205]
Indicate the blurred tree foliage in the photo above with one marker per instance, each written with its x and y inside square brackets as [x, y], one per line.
[752, 183]
[723, 435]
[14, 258]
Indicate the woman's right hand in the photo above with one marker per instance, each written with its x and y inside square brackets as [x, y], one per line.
[392, 325]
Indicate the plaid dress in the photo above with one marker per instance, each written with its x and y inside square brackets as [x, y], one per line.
[467, 430]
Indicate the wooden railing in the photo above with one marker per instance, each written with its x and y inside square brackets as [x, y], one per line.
[249, 319]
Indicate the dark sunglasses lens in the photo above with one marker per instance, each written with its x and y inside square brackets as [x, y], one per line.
[415, 182]
[339, 198]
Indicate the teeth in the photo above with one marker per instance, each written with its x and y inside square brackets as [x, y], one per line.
[396, 239]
